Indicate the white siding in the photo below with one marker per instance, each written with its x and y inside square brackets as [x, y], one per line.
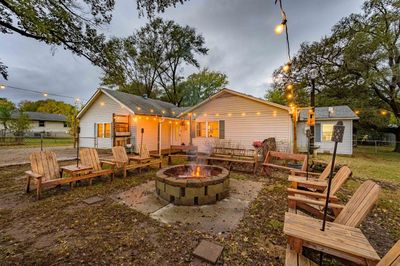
[101, 111]
[243, 130]
[55, 128]
[346, 147]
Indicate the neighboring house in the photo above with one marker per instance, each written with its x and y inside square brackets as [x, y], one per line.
[325, 119]
[113, 118]
[52, 125]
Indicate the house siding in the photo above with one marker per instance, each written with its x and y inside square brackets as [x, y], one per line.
[346, 147]
[98, 113]
[243, 130]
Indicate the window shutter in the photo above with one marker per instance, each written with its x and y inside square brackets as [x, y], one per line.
[222, 129]
[95, 135]
[317, 131]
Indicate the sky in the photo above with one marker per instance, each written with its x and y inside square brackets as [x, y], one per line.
[238, 33]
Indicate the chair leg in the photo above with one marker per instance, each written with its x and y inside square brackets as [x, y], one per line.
[28, 185]
[124, 171]
[38, 191]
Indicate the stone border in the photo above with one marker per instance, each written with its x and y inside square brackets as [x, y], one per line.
[192, 191]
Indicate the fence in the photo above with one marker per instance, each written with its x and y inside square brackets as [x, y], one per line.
[376, 145]
[40, 141]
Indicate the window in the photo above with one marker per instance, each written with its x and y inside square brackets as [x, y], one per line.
[210, 129]
[213, 129]
[107, 130]
[201, 129]
[41, 123]
[327, 130]
[100, 130]
[317, 132]
[65, 124]
[103, 130]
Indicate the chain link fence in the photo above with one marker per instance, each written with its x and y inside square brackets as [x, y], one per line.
[376, 145]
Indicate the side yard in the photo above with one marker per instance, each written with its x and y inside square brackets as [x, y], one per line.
[62, 229]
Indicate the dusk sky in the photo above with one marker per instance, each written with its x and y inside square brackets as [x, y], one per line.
[239, 34]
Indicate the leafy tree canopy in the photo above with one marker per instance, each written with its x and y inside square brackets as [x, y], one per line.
[199, 86]
[358, 65]
[6, 109]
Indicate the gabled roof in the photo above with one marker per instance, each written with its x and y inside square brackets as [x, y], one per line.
[225, 90]
[137, 104]
[322, 113]
[39, 116]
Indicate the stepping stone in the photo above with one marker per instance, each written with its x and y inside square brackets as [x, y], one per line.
[208, 251]
[93, 200]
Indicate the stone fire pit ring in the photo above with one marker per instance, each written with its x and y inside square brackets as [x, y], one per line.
[192, 190]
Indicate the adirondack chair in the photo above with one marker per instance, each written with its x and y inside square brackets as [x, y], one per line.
[90, 157]
[311, 176]
[124, 161]
[46, 172]
[350, 215]
[144, 155]
[311, 197]
[355, 210]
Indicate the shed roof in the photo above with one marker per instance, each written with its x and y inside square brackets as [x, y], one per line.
[322, 113]
[36, 116]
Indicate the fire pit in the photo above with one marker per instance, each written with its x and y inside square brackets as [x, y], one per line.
[192, 184]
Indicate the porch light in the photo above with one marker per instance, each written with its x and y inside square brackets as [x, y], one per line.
[102, 103]
[229, 114]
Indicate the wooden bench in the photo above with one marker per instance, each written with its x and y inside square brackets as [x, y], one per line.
[285, 157]
[182, 151]
[233, 155]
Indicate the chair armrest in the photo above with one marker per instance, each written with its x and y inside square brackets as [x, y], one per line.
[34, 175]
[316, 195]
[112, 164]
[312, 182]
[304, 173]
[156, 156]
[315, 202]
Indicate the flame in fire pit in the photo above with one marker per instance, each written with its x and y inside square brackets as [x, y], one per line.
[197, 172]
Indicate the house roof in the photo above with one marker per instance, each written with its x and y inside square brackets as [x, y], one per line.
[138, 104]
[36, 116]
[322, 113]
[250, 97]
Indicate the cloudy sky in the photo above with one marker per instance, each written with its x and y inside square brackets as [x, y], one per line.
[239, 34]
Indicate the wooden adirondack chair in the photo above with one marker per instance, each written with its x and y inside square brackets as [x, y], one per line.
[298, 177]
[309, 197]
[392, 258]
[144, 155]
[46, 172]
[124, 161]
[355, 210]
[90, 157]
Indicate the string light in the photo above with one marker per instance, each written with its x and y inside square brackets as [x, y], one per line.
[2, 86]
[289, 87]
[290, 96]
[280, 28]
[45, 94]
[286, 68]
[138, 108]
[383, 112]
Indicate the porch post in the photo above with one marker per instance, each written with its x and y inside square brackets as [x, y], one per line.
[159, 138]
[190, 130]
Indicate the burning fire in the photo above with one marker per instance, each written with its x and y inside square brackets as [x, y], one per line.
[196, 171]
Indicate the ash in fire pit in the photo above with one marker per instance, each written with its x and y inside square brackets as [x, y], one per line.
[192, 184]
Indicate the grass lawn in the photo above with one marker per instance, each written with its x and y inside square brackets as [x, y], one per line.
[60, 229]
[35, 142]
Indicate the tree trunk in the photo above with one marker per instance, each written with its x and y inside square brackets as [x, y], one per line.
[397, 133]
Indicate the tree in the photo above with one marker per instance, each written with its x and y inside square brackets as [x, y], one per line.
[20, 126]
[358, 64]
[152, 57]
[6, 109]
[199, 86]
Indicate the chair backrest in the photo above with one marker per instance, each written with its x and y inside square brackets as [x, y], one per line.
[90, 157]
[144, 153]
[325, 174]
[45, 163]
[392, 258]
[360, 204]
[339, 179]
[119, 154]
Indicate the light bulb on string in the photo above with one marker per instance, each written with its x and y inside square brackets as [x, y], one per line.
[45, 94]
[286, 68]
[289, 87]
[290, 96]
[2, 86]
[280, 27]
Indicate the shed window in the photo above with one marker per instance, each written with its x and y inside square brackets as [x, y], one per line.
[327, 131]
[41, 123]
[317, 132]
[65, 124]
[210, 129]
[107, 130]
[103, 130]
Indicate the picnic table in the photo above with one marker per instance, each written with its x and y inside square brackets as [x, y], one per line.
[339, 240]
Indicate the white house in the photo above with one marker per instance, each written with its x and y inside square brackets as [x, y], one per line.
[52, 125]
[325, 119]
[115, 118]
